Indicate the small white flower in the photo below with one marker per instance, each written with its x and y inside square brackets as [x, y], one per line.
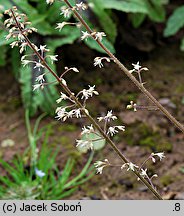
[86, 93]
[8, 36]
[99, 36]
[70, 114]
[160, 155]
[39, 173]
[33, 29]
[62, 97]
[37, 86]
[86, 144]
[98, 61]
[81, 6]
[23, 47]
[92, 90]
[15, 43]
[121, 127]
[132, 105]
[25, 62]
[85, 35]
[61, 113]
[43, 48]
[75, 69]
[87, 129]
[53, 58]
[20, 37]
[130, 165]
[66, 12]
[100, 165]
[112, 130]
[38, 65]
[108, 117]
[137, 67]
[61, 25]
[77, 113]
[40, 78]
[49, 1]
[99, 170]
[144, 173]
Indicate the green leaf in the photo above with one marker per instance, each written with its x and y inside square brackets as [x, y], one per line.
[6, 4]
[53, 12]
[133, 6]
[94, 45]
[105, 20]
[98, 142]
[71, 33]
[137, 19]
[3, 41]
[175, 22]
[156, 12]
[15, 61]
[43, 99]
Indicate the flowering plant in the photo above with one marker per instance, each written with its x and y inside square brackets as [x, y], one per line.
[76, 103]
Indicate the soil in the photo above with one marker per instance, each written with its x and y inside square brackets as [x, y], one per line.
[146, 131]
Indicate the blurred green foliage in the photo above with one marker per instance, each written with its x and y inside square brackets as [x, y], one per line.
[175, 23]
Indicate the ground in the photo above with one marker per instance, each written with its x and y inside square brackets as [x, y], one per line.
[146, 131]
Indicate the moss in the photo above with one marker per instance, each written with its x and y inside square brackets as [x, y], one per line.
[130, 97]
[179, 88]
[64, 140]
[67, 127]
[164, 145]
[145, 136]
[166, 180]
[111, 99]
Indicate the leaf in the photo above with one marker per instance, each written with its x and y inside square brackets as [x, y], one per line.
[137, 19]
[175, 22]
[3, 41]
[156, 12]
[105, 20]
[97, 145]
[15, 62]
[133, 6]
[71, 33]
[43, 99]
[6, 4]
[94, 45]
[53, 12]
